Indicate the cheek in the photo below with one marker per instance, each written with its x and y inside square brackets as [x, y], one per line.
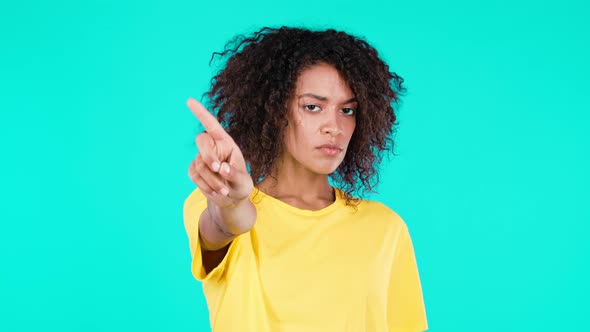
[289, 139]
[305, 129]
[297, 125]
[350, 126]
[296, 137]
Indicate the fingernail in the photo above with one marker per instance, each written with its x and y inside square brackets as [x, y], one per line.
[226, 168]
[216, 166]
[224, 191]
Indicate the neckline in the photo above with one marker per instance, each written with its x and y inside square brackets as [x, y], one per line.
[295, 210]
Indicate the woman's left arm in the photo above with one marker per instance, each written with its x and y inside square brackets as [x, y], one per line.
[406, 310]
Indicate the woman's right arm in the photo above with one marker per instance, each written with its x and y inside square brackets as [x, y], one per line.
[215, 234]
[220, 172]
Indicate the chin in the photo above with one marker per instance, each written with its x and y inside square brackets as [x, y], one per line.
[325, 169]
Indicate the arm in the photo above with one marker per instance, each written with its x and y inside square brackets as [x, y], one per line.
[405, 301]
[219, 226]
[220, 172]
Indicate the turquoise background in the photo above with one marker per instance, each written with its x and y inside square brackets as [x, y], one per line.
[491, 174]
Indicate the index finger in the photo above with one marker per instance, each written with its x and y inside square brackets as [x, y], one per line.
[212, 126]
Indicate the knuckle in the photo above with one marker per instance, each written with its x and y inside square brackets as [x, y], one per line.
[201, 135]
[204, 155]
[203, 139]
[198, 167]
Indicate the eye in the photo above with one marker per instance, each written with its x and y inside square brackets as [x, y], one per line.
[348, 111]
[312, 108]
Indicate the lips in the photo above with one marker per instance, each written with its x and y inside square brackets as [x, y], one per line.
[330, 149]
[331, 146]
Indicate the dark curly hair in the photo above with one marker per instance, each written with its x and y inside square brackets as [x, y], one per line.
[252, 91]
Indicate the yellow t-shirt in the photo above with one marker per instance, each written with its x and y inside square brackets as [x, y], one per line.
[334, 269]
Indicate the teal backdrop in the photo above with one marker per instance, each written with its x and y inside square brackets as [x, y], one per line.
[491, 172]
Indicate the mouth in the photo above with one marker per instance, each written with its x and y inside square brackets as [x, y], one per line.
[330, 149]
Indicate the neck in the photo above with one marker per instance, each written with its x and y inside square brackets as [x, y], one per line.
[298, 186]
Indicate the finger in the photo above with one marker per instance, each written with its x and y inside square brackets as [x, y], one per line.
[217, 198]
[213, 180]
[229, 173]
[239, 181]
[212, 126]
[205, 188]
[209, 192]
[207, 151]
[225, 171]
[202, 184]
[192, 172]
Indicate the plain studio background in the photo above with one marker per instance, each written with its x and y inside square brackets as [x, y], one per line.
[491, 174]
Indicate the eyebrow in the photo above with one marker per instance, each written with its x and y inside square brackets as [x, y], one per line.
[351, 100]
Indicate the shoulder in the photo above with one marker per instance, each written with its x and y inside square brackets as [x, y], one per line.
[378, 209]
[381, 216]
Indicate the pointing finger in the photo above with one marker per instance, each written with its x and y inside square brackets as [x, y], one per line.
[207, 119]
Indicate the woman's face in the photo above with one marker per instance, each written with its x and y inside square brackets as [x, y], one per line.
[321, 120]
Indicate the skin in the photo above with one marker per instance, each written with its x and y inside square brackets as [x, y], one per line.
[321, 111]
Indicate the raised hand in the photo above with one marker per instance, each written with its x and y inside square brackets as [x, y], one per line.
[219, 169]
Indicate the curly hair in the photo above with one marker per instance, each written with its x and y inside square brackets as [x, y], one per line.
[252, 91]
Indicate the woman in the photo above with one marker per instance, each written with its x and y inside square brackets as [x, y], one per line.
[276, 246]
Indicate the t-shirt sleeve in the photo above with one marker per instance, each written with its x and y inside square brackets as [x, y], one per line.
[194, 205]
[406, 310]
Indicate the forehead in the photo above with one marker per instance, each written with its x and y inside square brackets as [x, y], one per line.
[323, 80]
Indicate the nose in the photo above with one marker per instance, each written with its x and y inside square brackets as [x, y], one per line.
[332, 123]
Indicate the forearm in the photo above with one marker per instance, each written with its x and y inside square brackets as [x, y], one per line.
[219, 226]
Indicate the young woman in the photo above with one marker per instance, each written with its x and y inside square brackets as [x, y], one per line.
[276, 246]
